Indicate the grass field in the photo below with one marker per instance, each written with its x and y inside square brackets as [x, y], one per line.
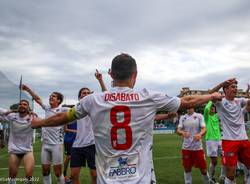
[166, 154]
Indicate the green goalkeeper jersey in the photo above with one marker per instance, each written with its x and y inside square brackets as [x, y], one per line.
[212, 124]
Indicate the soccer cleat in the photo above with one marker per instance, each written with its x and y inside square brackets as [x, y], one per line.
[67, 180]
[222, 180]
[213, 181]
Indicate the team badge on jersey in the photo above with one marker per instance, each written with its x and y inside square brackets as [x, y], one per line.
[122, 167]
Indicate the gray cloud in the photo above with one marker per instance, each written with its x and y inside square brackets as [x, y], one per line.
[57, 45]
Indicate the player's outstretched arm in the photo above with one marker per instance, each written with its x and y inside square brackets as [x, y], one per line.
[196, 100]
[207, 110]
[165, 116]
[248, 106]
[33, 94]
[55, 120]
[66, 129]
[98, 76]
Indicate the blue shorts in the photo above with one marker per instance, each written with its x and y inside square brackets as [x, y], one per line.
[79, 156]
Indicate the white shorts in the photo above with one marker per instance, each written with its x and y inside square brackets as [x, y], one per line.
[214, 148]
[52, 153]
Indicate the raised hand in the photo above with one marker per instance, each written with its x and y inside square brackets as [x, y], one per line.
[24, 87]
[98, 75]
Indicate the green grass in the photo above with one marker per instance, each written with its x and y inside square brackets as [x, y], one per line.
[166, 154]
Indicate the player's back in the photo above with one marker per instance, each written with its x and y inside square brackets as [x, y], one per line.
[122, 124]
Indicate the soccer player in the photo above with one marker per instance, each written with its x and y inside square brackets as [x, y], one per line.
[235, 143]
[20, 141]
[83, 149]
[69, 138]
[122, 121]
[192, 128]
[213, 139]
[52, 137]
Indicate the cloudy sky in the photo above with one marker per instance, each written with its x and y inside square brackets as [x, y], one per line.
[57, 44]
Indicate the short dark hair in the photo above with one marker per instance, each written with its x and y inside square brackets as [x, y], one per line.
[23, 100]
[123, 66]
[59, 97]
[80, 91]
[228, 84]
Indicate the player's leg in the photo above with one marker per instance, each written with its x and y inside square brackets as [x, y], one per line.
[14, 162]
[212, 152]
[199, 160]
[90, 157]
[77, 161]
[57, 158]
[187, 165]
[223, 170]
[65, 167]
[229, 159]
[28, 162]
[67, 152]
[46, 158]
[244, 157]
[153, 178]
[75, 175]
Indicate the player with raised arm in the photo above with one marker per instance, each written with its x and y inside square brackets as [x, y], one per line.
[83, 149]
[20, 141]
[122, 121]
[52, 137]
[235, 143]
[192, 128]
[213, 139]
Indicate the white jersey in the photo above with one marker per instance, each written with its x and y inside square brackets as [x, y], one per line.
[21, 133]
[123, 125]
[231, 115]
[192, 124]
[84, 135]
[53, 135]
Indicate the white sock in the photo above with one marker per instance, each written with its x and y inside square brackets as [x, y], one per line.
[228, 181]
[211, 170]
[248, 176]
[205, 179]
[12, 181]
[47, 179]
[188, 178]
[60, 179]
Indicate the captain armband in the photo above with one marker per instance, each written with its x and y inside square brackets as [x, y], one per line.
[71, 114]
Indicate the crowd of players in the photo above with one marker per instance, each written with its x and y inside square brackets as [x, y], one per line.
[112, 131]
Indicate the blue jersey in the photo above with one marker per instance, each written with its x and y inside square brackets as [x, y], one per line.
[70, 136]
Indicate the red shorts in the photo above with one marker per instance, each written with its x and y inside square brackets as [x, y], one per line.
[232, 151]
[194, 158]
